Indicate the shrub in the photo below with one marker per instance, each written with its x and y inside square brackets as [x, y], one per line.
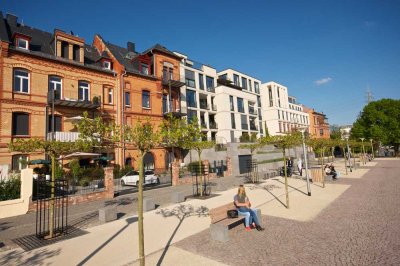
[84, 182]
[10, 189]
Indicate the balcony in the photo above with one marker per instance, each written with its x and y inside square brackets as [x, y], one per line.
[75, 103]
[213, 125]
[214, 107]
[176, 112]
[204, 105]
[253, 127]
[64, 136]
[252, 110]
[171, 80]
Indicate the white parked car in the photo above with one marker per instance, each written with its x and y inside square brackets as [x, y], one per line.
[132, 178]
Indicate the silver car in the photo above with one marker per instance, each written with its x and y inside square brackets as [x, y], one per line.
[132, 178]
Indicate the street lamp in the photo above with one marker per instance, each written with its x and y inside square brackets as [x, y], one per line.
[302, 130]
[346, 134]
[362, 140]
[372, 149]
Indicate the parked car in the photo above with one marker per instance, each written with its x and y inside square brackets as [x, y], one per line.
[132, 178]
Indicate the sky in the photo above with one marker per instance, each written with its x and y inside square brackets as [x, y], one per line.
[326, 52]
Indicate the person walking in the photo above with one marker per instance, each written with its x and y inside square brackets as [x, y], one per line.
[243, 207]
[300, 166]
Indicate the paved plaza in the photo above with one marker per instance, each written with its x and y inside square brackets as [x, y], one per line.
[353, 220]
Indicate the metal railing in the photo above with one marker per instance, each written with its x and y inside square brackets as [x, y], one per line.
[213, 125]
[64, 136]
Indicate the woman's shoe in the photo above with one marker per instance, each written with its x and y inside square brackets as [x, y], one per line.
[248, 228]
[259, 228]
[253, 226]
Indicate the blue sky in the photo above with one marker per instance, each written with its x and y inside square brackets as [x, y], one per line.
[326, 52]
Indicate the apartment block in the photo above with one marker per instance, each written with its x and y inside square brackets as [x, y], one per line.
[282, 112]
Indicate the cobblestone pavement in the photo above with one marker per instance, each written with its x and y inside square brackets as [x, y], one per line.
[362, 227]
[85, 215]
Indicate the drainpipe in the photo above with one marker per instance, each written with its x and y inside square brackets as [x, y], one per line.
[122, 114]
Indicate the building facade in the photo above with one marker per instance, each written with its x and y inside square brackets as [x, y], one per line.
[282, 112]
[319, 126]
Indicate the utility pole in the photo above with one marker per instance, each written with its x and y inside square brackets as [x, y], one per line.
[369, 96]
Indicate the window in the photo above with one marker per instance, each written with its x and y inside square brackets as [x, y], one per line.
[192, 115]
[19, 162]
[260, 127]
[240, 105]
[110, 95]
[256, 87]
[190, 79]
[243, 119]
[83, 91]
[64, 50]
[127, 98]
[271, 100]
[233, 123]
[168, 73]
[191, 98]
[76, 49]
[106, 65]
[201, 81]
[145, 99]
[22, 43]
[244, 83]
[279, 114]
[210, 83]
[259, 101]
[144, 68]
[224, 76]
[250, 87]
[20, 124]
[21, 81]
[55, 85]
[57, 123]
[231, 103]
[236, 80]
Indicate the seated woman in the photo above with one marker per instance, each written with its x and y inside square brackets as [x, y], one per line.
[243, 205]
[330, 170]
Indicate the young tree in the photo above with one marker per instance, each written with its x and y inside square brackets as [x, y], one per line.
[319, 145]
[144, 137]
[284, 142]
[252, 147]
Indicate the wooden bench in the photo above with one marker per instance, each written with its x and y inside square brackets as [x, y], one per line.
[220, 223]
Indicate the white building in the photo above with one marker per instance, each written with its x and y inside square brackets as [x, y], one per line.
[239, 106]
[281, 112]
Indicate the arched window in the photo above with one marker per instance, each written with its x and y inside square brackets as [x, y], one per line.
[148, 161]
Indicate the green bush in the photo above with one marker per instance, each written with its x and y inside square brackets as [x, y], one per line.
[10, 189]
[84, 182]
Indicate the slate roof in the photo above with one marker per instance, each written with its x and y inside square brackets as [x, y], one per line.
[42, 44]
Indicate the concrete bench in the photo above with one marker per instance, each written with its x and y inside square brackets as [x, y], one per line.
[107, 214]
[220, 223]
[148, 204]
[178, 197]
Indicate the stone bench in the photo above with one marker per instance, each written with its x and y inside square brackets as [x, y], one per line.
[107, 214]
[177, 197]
[220, 223]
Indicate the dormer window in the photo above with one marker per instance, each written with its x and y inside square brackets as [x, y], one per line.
[144, 68]
[107, 65]
[22, 44]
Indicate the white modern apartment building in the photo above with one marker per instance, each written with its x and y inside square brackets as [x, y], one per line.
[239, 106]
[198, 94]
[281, 112]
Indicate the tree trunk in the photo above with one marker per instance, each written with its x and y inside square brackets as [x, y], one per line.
[52, 196]
[200, 174]
[322, 167]
[286, 179]
[345, 159]
[140, 212]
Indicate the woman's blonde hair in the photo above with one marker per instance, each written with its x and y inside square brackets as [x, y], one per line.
[241, 191]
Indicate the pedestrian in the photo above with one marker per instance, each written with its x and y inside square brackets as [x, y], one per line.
[300, 166]
[243, 207]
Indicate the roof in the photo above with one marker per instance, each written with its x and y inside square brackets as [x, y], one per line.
[163, 49]
[42, 44]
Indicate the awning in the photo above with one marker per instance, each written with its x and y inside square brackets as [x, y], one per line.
[103, 158]
[80, 155]
[39, 161]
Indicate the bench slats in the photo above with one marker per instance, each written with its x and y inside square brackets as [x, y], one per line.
[218, 214]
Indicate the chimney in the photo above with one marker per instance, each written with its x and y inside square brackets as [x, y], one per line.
[131, 47]
[12, 19]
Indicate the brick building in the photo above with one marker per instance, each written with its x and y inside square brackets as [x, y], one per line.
[319, 126]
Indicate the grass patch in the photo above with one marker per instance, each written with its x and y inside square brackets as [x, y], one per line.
[271, 161]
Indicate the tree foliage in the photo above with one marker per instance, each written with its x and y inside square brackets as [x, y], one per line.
[380, 121]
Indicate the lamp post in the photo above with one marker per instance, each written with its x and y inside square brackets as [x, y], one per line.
[302, 130]
[362, 140]
[372, 149]
[346, 134]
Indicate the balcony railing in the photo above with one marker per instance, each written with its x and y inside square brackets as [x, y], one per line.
[64, 136]
[172, 79]
[76, 103]
[252, 110]
[245, 126]
[253, 127]
[204, 105]
[213, 125]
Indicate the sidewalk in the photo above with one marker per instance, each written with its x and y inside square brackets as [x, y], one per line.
[115, 243]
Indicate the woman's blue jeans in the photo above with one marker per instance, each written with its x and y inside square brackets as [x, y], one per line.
[250, 215]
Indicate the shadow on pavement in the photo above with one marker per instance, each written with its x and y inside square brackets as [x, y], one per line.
[292, 187]
[17, 257]
[129, 221]
[180, 212]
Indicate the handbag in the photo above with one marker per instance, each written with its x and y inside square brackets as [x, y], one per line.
[232, 214]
